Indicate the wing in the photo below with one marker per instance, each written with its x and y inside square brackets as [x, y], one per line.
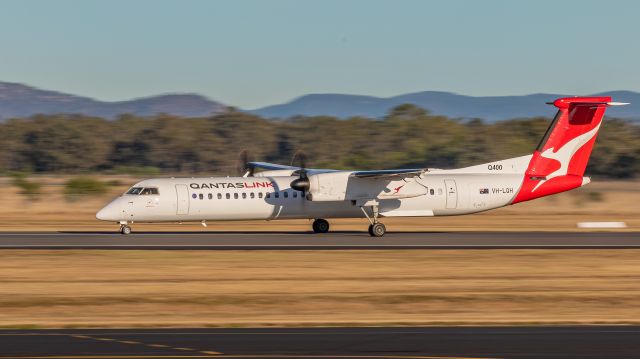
[406, 172]
[271, 166]
[276, 167]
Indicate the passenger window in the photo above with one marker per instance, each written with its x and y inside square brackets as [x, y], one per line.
[277, 194]
[259, 194]
[286, 194]
[244, 195]
[219, 195]
[235, 196]
[268, 195]
[295, 194]
[432, 192]
[252, 195]
[210, 195]
[228, 196]
[200, 196]
[194, 196]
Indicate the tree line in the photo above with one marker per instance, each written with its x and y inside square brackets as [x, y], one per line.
[407, 137]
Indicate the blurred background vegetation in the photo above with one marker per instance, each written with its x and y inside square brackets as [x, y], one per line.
[407, 137]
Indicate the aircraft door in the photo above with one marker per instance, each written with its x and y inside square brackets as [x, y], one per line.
[452, 193]
[128, 210]
[182, 195]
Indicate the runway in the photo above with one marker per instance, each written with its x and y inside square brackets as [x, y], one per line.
[400, 343]
[311, 241]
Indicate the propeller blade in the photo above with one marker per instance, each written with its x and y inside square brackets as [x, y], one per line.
[243, 167]
[301, 158]
[302, 183]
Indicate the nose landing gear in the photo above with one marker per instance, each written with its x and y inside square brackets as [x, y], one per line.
[124, 228]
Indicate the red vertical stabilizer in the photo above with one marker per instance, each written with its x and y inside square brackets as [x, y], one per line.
[560, 159]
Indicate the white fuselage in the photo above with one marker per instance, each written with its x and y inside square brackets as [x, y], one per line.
[435, 193]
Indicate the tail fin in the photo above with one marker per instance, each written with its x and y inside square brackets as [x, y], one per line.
[560, 159]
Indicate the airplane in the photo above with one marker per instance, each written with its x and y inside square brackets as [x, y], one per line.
[295, 192]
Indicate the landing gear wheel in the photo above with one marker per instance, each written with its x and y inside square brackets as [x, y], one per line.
[320, 226]
[125, 229]
[377, 230]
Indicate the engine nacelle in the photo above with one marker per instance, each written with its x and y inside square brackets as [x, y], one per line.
[330, 186]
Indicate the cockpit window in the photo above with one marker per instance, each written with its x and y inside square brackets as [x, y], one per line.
[149, 190]
[135, 190]
[142, 190]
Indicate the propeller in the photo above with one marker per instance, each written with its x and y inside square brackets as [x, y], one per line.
[302, 182]
[243, 167]
[301, 157]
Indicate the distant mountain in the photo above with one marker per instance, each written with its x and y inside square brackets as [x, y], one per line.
[490, 108]
[17, 100]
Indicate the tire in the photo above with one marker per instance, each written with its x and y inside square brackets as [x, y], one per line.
[125, 230]
[377, 230]
[320, 226]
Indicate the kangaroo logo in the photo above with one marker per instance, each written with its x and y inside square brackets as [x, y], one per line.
[565, 154]
[397, 189]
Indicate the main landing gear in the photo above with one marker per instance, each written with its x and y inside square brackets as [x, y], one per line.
[320, 226]
[376, 229]
[124, 228]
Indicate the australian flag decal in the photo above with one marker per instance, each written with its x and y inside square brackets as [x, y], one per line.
[484, 191]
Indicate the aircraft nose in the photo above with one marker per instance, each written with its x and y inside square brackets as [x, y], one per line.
[108, 213]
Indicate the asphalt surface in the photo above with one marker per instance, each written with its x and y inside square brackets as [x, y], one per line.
[431, 342]
[311, 241]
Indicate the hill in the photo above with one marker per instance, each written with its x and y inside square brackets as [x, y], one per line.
[17, 100]
[490, 108]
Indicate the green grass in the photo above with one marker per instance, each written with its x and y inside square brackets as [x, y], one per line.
[27, 188]
[83, 186]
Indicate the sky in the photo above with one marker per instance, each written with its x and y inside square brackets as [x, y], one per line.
[250, 54]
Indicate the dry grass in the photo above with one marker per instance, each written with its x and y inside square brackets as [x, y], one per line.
[241, 288]
[599, 201]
